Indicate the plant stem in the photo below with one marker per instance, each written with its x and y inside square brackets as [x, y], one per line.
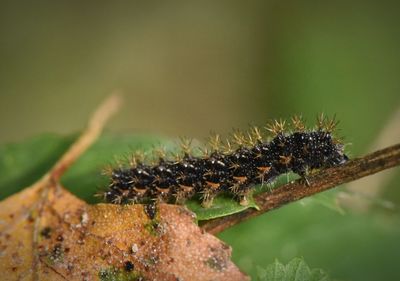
[326, 179]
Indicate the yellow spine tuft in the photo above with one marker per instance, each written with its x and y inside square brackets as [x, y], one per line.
[214, 142]
[276, 127]
[298, 124]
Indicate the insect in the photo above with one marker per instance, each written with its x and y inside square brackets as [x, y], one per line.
[235, 166]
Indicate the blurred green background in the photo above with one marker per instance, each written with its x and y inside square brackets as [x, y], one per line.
[191, 67]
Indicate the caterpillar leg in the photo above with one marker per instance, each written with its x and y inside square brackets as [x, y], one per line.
[183, 193]
[162, 195]
[243, 200]
[242, 194]
[207, 198]
[151, 209]
[304, 173]
[305, 180]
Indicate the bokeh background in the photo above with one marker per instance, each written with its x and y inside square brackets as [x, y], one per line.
[191, 67]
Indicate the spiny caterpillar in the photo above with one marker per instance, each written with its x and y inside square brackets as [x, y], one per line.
[234, 167]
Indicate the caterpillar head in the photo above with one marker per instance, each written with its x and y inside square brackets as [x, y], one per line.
[337, 157]
[333, 151]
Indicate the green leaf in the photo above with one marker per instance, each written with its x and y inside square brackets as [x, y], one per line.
[295, 270]
[274, 272]
[319, 275]
[222, 206]
[22, 164]
[279, 181]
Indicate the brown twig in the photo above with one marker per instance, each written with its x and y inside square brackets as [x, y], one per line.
[90, 135]
[326, 179]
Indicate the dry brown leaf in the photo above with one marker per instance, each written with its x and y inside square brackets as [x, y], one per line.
[76, 241]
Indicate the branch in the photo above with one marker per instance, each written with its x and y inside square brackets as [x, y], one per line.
[326, 179]
[95, 126]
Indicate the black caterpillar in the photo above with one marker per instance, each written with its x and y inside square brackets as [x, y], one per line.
[234, 169]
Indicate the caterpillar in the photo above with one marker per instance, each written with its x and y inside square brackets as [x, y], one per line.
[234, 167]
